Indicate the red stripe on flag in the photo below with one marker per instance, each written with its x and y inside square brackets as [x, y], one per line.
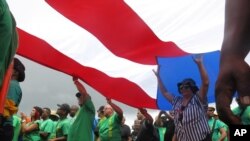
[119, 28]
[5, 87]
[119, 89]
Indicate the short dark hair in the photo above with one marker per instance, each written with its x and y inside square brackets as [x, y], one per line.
[101, 108]
[19, 67]
[48, 109]
[65, 107]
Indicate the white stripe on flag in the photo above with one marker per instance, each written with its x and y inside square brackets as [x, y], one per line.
[61, 33]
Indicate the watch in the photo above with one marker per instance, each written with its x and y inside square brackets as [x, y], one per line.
[23, 121]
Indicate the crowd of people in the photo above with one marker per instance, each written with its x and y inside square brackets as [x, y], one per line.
[189, 120]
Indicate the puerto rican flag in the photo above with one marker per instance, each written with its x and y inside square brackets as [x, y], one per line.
[114, 45]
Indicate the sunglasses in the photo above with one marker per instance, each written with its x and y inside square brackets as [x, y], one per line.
[184, 87]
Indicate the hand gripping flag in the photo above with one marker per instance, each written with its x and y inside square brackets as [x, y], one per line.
[114, 45]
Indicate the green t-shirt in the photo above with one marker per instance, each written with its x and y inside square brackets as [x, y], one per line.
[245, 117]
[109, 128]
[33, 135]
[62, 127]
[17, 127]
[48, 127]
[227, 130]
[162, 131]
[14, 94]
[81, 128]
[53, 134]
[218, 125]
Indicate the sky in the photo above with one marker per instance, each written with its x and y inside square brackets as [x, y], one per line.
[46, 87]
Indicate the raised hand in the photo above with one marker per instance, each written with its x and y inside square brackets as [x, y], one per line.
[79, 86]
[197, 58]
[108, 100]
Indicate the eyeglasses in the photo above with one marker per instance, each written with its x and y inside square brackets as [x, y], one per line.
[184, 87]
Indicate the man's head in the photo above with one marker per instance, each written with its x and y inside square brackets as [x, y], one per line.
[63, 109]
[210, 111]
[73, 110]
[18, 72]
[108, 110]
[46, 113]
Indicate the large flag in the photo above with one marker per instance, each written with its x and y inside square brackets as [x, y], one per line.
[114, 45]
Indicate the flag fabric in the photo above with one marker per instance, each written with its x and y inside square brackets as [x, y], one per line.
[184, 67]
[5, 87]
[114, 45]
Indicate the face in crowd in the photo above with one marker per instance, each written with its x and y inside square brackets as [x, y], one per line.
[108, 110]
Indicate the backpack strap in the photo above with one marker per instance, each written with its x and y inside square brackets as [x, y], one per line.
[212, 131]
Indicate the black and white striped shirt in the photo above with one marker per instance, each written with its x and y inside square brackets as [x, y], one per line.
[191, 123]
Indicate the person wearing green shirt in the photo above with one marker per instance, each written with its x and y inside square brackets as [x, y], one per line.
[47, 125]
[218, 131]
[63, 124]
[54, 117]
[17, 127]
[109, 128]
[242, 111]
[81, 128]
[101, 116]
[13, 100]
[30, 130]
[160, 124]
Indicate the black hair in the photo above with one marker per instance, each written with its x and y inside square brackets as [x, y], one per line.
[48, 109]
[101, 108]
[189, 82]
[39, 110]
[19, 67]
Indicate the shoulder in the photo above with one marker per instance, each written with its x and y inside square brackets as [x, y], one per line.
[176, 99]
[14, 83]
[89, 104]
[14, 86]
